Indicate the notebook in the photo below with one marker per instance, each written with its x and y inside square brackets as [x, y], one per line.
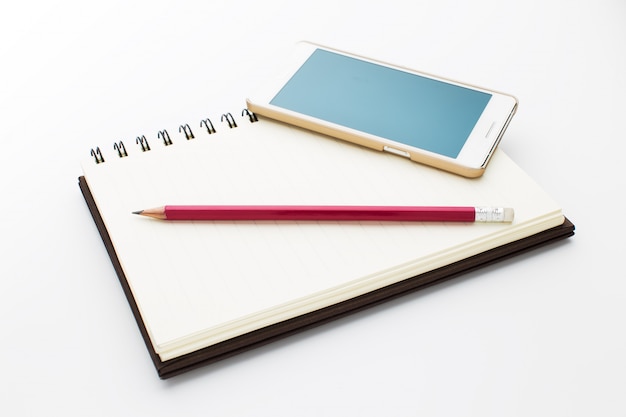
[203, 291]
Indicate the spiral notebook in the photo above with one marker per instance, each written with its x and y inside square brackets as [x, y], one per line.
[203, 291]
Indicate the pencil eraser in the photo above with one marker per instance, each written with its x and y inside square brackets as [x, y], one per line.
[509, 214]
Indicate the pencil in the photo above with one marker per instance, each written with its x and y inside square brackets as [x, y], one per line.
[333, 213]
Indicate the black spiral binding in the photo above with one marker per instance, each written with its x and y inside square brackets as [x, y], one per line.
[209, 126]
[163, 135]
[188, 133]
[97, 155]
[230, 119]
[143, 142]
[121, 149]
[251, 116]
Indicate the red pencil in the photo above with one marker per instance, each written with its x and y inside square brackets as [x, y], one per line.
[332, 213]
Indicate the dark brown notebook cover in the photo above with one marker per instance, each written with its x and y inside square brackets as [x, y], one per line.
[277, 331]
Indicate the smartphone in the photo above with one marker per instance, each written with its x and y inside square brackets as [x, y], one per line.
[431, 120]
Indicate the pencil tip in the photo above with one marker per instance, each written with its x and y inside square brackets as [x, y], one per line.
[138, 212]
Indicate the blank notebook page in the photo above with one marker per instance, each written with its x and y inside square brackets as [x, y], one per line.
[199, 283]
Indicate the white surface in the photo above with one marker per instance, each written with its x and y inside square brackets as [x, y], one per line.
[542, 334]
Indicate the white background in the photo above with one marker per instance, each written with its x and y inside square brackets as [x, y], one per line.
[540, 335]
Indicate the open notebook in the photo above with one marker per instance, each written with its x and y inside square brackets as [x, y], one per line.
[201, 291]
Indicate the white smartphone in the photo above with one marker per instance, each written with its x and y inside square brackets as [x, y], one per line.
[446, 124]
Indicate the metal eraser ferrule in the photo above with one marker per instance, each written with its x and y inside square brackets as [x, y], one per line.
[494, 214]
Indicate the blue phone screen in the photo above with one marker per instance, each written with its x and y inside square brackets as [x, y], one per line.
[385, 102]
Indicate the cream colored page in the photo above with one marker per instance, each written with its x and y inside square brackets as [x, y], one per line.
[193, 276]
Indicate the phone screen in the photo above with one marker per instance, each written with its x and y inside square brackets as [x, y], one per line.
[389, 103]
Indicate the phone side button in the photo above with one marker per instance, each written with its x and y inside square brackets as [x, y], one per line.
[396, 151]
[491, 129]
